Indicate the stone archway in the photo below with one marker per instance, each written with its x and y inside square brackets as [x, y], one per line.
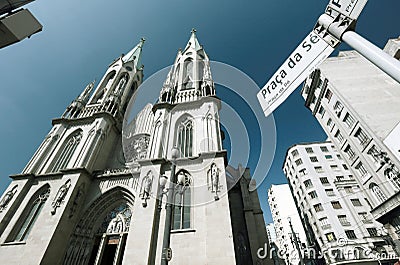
[100, 235]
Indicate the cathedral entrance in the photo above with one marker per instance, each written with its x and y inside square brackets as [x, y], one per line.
[104, 245]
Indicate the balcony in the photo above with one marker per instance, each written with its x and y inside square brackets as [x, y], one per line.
[325, 227]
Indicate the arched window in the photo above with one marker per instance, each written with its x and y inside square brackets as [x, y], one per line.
[188, 74]
[185, 138]
[182, 202]
[30, 215]
[69, 148]
[380, 196]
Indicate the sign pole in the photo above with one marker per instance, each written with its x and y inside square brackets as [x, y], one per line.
[381, 59]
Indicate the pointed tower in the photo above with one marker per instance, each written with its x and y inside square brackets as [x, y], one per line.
[190, 77]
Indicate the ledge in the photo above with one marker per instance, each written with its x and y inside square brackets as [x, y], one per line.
[14, 243]
[180, 231]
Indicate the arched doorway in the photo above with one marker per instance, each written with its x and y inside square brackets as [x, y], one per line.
[100, 236]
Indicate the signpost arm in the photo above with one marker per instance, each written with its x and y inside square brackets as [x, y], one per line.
[381, 59]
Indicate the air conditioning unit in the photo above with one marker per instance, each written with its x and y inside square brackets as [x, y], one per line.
[18, 26]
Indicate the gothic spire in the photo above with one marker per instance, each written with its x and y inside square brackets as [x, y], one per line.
[135, 54]
[190, 77]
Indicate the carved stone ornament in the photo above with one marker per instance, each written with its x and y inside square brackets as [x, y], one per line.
[213, 180]
[77, 200]
[62, 192]
[146, 188]
[7, 198]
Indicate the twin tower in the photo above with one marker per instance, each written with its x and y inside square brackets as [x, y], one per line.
[95, 195]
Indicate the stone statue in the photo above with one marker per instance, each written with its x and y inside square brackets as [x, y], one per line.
[62, 192]
[7, 198]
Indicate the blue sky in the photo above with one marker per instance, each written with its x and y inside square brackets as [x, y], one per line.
[41, 75]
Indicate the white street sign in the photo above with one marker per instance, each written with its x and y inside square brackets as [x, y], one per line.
[307, 56]
[350, 8]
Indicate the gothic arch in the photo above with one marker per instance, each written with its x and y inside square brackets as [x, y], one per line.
[84, 241]
[29, 215]
[66, 151]
[185, 136]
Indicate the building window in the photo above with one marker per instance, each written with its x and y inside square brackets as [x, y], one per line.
[348, 189]
[303, 172]
[338, 107]
[350, 234]
[330, 237]
[308, 183]
[328, 95]
[30, 215]
[355, 202]
[345, 167]
[185, 138]
[348, 120]
[361, 169]
[330, 192]
[68, 151]
[309, 150]
[329, 122]
[339, 136]
[380, 196]
[343, 220]
[324, 180]
[328, 157]
[295, 153]
[314, 159]
[324, 149]
[339, 157]
[318, 207]
[335, 168]
[324, 223]
[350, 153]
[339, 178]
[321, 111]
[298, 161]
[182, 202]
[319, 169]
[364, 218]
[336, 205]
[372, 232]
[313, 194]
[362, 137]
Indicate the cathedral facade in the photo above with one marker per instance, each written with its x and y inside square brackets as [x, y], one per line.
[97, 192]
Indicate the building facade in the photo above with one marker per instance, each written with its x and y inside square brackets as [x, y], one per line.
[358, 107]
[332, 205]
[94, 193]
[287, 224]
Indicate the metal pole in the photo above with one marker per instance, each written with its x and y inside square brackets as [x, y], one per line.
[294, 237]
[168, 216]
[381, 59]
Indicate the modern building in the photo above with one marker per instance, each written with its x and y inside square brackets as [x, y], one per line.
[332, 205]
[95, 193]
[358, 107]
[271, 234]
[287, 224]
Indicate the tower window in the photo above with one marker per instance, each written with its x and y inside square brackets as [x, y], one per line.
[182, 202]
[69, 149]
[30, 215]
[185, 138]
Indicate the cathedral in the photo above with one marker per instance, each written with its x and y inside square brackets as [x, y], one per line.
[157, 190]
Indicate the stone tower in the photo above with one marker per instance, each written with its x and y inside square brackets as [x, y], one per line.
[94, 193]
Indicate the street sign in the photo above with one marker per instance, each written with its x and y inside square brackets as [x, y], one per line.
[350, 8]
[307, 56]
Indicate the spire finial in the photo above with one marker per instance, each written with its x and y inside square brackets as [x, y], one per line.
[193, 30]
[142, 40]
